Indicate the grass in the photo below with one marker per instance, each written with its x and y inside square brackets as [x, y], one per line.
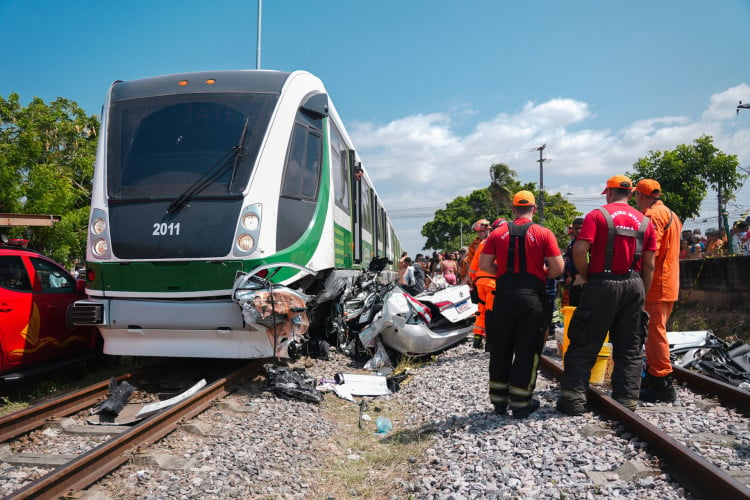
[359, 461]
[727, 325]
[16, 396]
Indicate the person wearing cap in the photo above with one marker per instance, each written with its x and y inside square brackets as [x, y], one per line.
[621, 243]
[573, 281]
[664, 291]
[515, 253]
[484, 284]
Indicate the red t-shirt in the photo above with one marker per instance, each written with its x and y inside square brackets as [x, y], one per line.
[540, 243]
[594, 230]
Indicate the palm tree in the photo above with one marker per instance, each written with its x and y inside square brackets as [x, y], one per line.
[502, 186]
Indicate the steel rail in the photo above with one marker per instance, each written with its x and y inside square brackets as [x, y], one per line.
[97, 462]
[725, 392]
[14, 424]
[696, 473]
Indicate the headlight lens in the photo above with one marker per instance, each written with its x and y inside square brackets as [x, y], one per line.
[100, 247]
[98, 226]
[250, 222]
[245, 242]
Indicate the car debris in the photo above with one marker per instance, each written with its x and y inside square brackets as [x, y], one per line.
[119, 393]
[292, 383]
[116, 411]
[703, 352]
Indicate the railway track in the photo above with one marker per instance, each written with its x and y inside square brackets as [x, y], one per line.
[77, 473]
[700, 476]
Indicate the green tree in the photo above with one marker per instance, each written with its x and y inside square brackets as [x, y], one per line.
[444, 231]
[47, 154]
[686, 173]
[503, 185]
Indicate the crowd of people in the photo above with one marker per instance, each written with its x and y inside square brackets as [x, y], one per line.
[620, 272]
[695, 245]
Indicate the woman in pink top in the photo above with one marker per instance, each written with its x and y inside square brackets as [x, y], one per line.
[450, 269]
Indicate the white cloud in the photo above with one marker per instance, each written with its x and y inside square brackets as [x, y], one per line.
[419, 162]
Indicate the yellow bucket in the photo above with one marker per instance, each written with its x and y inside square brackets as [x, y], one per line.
[599, 371]
[600, 366]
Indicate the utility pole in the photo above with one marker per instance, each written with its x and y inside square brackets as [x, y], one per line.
[540, 205]
[742, 106]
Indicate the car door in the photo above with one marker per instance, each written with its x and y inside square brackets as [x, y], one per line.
[19, 318]
[54, 289]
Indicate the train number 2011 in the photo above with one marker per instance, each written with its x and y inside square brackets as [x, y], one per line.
[164, 229]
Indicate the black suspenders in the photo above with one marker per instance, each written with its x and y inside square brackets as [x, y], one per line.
[517, 239]
[612, 231]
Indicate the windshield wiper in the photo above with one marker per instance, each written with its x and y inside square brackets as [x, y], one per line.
[235, 155]
[238, 157]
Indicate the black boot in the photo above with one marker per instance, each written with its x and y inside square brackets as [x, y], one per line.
[659, 389]
[527, 410]
[478, 341]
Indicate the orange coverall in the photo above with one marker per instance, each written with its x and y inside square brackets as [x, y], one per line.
[665, 286]
[484, 283]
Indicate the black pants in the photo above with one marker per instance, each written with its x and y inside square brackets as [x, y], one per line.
[516, 339]
[607, 305]
[574, 295]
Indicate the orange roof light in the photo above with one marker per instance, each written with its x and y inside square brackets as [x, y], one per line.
[182, 83]
[210, 81]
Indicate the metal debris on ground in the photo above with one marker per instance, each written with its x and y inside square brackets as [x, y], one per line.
[292, 383]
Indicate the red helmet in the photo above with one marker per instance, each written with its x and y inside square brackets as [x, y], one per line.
[498, 222]
[481, 225]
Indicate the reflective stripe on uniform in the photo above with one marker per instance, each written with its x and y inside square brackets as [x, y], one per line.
[517, 391]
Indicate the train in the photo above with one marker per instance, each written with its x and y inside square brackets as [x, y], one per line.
[202, 178]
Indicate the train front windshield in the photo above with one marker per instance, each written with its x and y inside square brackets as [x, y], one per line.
[159, 147]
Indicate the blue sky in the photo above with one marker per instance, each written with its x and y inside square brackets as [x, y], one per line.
[433, 92]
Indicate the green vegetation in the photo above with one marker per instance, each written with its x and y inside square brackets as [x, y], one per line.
[686, 173]
[47, 154]
[444, 231]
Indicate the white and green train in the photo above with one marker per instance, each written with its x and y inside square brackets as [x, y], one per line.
[201, 177]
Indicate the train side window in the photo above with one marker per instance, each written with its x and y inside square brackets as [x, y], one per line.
[367, 208]
[339, 158]
[311, 172]
[302, 171]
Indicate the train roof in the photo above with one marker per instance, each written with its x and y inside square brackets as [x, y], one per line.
[263, 81]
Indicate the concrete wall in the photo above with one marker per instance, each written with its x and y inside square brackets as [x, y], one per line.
[721, 282]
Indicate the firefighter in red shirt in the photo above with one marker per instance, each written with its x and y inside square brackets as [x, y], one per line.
[516, 254]
[621, 242]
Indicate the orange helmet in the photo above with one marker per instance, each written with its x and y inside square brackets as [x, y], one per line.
[481, 225]
[498, 222]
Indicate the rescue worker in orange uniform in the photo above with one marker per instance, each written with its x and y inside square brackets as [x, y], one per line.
[516, 252]
[663, 293]
[482, 228]
[484, 284]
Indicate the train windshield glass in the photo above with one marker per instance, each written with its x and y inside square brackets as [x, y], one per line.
[159, 147]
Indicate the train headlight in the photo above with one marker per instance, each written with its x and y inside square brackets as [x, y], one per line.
[250, 222]
[100, 247]
[245, 242]
[98, 226]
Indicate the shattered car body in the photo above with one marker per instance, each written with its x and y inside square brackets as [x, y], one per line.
[424, 324]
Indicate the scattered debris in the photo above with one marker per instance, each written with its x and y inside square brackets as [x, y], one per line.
[128, 414]
[118, 396]
[383, 425]
[707, 354]
[293, 383]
